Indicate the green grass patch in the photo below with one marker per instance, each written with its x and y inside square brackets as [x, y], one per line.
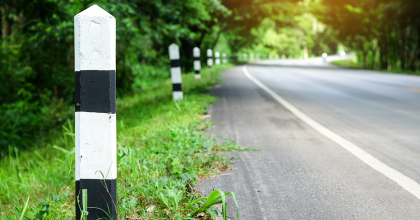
[161, 153]
[354, 64]
[349, 63]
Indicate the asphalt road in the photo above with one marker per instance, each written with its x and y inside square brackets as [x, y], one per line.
[301, 174]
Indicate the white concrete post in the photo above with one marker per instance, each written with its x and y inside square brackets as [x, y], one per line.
[251, 57]
[264, 57]
[209, 58]
[277, 56]
[224, 58]
[283, 56]
[217, 56]
[197, 63]
[324, 57]
[95, 112]
[175, 72]
[245, 57]
[270, 57]
[258, 56]
[290, 56]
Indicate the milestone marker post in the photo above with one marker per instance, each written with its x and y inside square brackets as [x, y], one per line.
[224, 58]
[217, 56]
[175, 72]
[197, 63]
[209, 58]
[95, 112]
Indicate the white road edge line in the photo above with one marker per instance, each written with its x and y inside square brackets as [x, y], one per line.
[405, 182]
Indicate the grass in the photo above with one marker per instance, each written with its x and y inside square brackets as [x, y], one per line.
[353, 64]
[161, 153]
[349, 63]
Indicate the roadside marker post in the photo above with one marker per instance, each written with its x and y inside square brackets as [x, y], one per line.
[197, 63]
[175, 72]
[283, 56]
[245, 57]
[224, 58]
[258, 56]
[251, 57]
[277, 56]
[270, 57]
[95, 112]
[217, 56]
[209, 58]
[324, 57]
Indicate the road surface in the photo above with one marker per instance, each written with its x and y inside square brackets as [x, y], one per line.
[299, 173]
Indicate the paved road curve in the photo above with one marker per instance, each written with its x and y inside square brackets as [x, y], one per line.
[301, 174]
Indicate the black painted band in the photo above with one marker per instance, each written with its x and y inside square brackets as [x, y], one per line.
[102, 194]
[197, 72]
[95, 91]
[196, 58]
[175, 63]
[176, 87]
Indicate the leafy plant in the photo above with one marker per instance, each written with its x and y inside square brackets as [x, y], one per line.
[215, 197]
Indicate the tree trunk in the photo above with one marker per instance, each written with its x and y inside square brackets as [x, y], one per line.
[365, 66]
[6, 26]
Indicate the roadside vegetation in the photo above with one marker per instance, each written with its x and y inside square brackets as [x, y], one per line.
[162, 151]
[353, 63]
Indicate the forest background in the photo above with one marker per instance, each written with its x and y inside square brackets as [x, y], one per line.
[37, 54]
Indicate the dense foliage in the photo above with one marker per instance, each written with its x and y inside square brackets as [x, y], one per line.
[37, 55]
[384, 33]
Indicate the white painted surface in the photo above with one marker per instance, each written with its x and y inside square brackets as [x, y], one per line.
[245, 57]
[177, 95]
[209, 53]
[197, 65]
[94, 40]
[217, 55]
[197, 76]
[173, 52]
[209, 62]
[405, 182]
[96, 145]
[176, 74]
[196, 52]
[251, 57]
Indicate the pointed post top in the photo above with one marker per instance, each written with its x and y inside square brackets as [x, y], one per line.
[94, 11]
[174, 52]
[209, 53]
[196, 52]
[94, 40]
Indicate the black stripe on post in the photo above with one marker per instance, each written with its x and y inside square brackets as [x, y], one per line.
[104, 197]
[176, 87]
[197, 72]
[196, 58]
[95, 91]
[175, 63]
